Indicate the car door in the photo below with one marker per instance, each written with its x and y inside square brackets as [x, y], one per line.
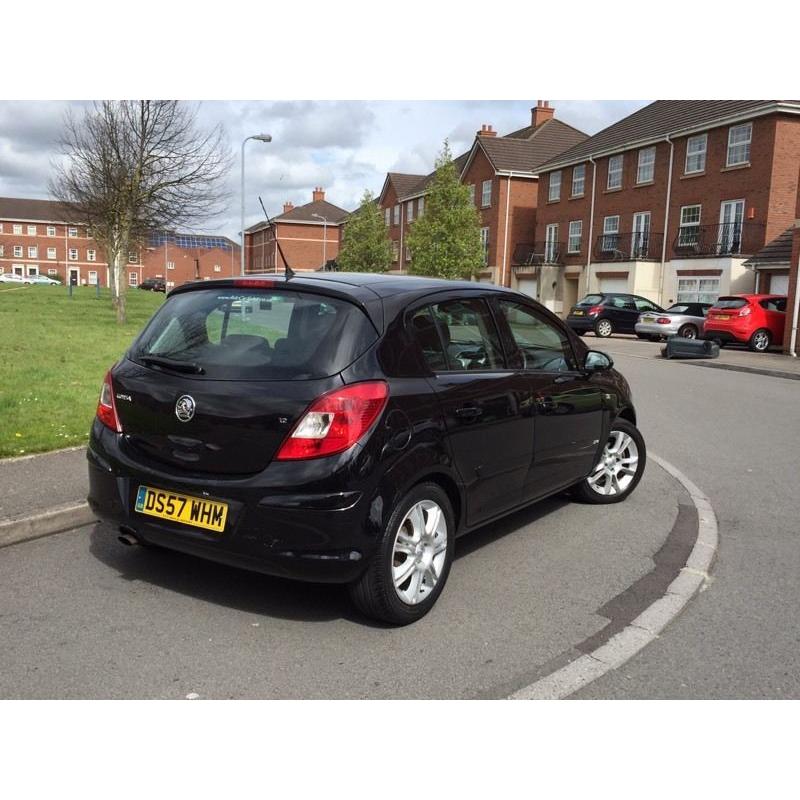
[487, 409]
[569, 405]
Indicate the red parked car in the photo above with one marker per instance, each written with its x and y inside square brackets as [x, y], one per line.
[756, 320]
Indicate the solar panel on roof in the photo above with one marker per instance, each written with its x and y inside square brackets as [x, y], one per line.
[188, 240]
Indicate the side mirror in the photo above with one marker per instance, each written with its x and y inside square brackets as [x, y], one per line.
[595, 361]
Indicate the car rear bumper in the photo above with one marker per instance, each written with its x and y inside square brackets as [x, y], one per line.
[741, 336]
[322, 537]
[654, 329]
[581, 323]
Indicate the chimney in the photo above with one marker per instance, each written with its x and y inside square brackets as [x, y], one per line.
[487, 130]
[542, 112]
[318, 194]
[288, 206]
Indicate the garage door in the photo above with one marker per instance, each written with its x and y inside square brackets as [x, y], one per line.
[528, 286]
[779, 284]
[613, 284]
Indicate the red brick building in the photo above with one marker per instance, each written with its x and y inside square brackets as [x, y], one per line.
[502, 172]
[669, 202]
[790, 335]
[40, 237]
[309, 236]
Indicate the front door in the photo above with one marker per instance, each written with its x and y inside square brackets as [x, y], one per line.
[568, 407]
[74, 276]
[731, 216]
[487, 410]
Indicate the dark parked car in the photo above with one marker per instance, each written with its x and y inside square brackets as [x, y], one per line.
[346, 428]
[153, 285]
[607, 313]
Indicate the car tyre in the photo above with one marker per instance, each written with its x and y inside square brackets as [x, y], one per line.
[619, 469]
[410, 567]
[688, 331]
[760, 341]
[603, 328]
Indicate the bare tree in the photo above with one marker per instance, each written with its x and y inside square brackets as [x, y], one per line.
[135, 166]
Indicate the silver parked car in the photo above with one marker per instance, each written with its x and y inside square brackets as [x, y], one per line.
[680, 319]
[42, 280]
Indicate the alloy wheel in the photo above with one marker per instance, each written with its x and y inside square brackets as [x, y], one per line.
[760, 340]
[419, 552]
[615, 471]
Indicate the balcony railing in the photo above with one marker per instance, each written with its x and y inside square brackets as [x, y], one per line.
[628, 246]
[726, 239]
[536, 254]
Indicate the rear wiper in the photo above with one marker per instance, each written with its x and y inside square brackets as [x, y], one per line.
[170, 363]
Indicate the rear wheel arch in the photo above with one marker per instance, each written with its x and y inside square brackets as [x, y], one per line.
[450, 488]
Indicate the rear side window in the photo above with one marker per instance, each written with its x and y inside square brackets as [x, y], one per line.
[458, 335]
[730, 302]
[591, 300]
[774, 304]
[235, 334]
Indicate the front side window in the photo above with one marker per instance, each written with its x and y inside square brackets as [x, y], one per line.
[486, 194]
[696, 147]
[689, 234]
[554, 186]
[614, 172]
[739, 139]
[574, 241]
[647, 162]
[458, 335]
[578, 180]
[538, 344]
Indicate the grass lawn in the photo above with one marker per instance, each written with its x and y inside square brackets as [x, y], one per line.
[54, 352]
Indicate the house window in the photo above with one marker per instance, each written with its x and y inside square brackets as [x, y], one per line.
[91, 255]
[408, 254]
[698, 290]
[471, 188]
[51, 253]
[31, 230]
[33, 269]
[554, 186]
[395, 250]
[52, 271]
[689, 233]
[420, 206]
[170, 265]
[72, 233]
[485, 245]
[397, 214]
[410, 211]
[2, 250]
[217, 268]
[647, 163]
[17, 251]
[739, 138]
[387, 216]
[18, 230]
[133, 279]
[578, 180]
[33, 251]
[92, 277]
[610, 241]
[486, 194]
[574, 241]
[133, 258]
[614, 172]
[73, 254]
[51, 230]
[551, 243]
[696, 147]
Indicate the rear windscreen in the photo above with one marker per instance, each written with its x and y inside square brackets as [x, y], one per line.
[679, 309]
[591, 300]
[229, 333]
[730, 302]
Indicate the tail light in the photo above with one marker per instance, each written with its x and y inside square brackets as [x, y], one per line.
[594, 310]
[663, 320]
[745, 311]
[106, 408]
[335, 421]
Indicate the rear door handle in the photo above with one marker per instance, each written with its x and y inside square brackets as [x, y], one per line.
[469, 412]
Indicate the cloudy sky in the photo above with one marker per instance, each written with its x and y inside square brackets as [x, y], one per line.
[345, 146]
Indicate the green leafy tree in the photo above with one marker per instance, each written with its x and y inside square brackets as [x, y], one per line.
[366, 246]
[446, 241]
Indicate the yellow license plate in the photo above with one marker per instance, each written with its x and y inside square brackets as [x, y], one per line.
[722, 316]
[578, 313]
[648, 319]
[182, 508]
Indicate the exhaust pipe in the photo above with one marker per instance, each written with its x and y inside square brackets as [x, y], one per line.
[127, 537]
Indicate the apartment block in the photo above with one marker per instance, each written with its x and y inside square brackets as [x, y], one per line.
[671, 202]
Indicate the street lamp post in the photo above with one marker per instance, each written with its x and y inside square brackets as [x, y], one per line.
[261, 137]
[324, 238]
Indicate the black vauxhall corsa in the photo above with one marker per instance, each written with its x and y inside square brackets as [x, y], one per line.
[346, 428]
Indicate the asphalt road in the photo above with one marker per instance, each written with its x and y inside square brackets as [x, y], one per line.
[82, 616]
